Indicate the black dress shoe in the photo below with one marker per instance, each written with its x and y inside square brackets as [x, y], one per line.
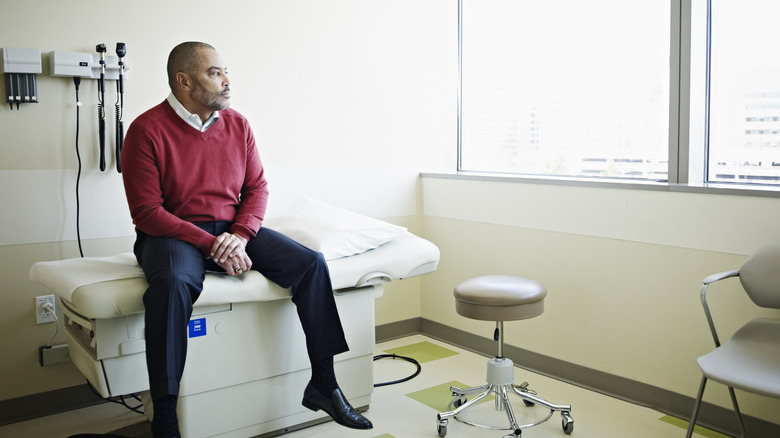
[336, 406]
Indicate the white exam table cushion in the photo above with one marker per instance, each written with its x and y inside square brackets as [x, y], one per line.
[107, 287]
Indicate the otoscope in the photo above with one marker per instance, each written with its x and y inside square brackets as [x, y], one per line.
[121, 51]
[101, 48]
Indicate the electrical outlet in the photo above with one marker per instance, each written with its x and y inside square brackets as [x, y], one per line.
[42, 314]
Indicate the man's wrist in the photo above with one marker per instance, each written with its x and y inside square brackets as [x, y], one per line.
[241, 238]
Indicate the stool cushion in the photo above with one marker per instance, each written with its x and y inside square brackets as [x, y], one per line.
[499, 298]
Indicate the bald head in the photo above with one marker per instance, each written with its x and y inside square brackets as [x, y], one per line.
[184, 58]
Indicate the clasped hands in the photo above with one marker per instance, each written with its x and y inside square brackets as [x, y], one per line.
[229, 252]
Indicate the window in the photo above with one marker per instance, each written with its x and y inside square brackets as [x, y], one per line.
[744, 114]
[575, 88]
[566, 87]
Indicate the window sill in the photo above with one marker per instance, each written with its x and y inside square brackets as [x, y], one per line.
[717, 189]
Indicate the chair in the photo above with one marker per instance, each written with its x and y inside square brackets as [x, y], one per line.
[500, 298]
[750, 360]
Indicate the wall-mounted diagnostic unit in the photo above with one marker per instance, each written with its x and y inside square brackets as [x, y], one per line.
[20, 68]
[86, 65]
[103, 67]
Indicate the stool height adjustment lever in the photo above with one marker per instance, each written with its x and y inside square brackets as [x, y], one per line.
[498, 335]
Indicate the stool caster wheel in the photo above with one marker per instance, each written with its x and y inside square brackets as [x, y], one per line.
[441, 427]
[456, 403]
[567, 423]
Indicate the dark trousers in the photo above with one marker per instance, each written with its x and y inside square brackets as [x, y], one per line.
[175, 271]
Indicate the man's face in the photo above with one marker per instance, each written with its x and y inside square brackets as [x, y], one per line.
[211, 87]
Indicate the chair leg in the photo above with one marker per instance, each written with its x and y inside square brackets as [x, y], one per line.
[696, 407]
[532, 397]
[510, 414]
[736, 410]
[468, 391]
[486, 391]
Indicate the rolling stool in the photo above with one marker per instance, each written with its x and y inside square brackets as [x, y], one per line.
[500, 298]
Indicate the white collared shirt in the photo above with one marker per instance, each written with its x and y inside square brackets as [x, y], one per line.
[192, 119]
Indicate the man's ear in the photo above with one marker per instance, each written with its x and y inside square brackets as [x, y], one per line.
[183, 81]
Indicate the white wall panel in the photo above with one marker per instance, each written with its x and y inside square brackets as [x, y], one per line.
[40, 206]
[712, 222]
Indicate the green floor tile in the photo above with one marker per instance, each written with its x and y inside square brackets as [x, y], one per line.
[385, 435]
[703, 431]
[422, 351]
[439, 396]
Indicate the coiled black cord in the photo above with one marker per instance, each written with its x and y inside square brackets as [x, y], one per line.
[120, 134]
[395, 356]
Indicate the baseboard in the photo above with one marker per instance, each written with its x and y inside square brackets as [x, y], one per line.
[398, 329]
[668, 402]
[47, 403]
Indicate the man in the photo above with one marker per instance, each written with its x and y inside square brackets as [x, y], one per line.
[197, 195]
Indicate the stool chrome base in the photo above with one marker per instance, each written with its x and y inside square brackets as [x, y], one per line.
[500, 383]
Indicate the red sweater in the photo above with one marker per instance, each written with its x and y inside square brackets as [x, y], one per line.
[176, 176]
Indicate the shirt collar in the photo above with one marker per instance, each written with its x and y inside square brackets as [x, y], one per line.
[192, 119]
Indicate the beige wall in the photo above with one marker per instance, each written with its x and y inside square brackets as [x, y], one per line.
[349, 101]
[623, 269]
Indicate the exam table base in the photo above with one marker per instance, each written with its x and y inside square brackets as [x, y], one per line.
[245, 372]
[267, 407]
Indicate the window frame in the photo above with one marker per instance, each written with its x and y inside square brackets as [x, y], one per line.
[688, 137]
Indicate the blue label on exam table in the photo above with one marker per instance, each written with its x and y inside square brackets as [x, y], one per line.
[197, 327]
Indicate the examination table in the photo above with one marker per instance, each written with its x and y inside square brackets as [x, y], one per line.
[246, 365]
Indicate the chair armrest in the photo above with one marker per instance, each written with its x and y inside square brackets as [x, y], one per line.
[706, 282]
[720, 276]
